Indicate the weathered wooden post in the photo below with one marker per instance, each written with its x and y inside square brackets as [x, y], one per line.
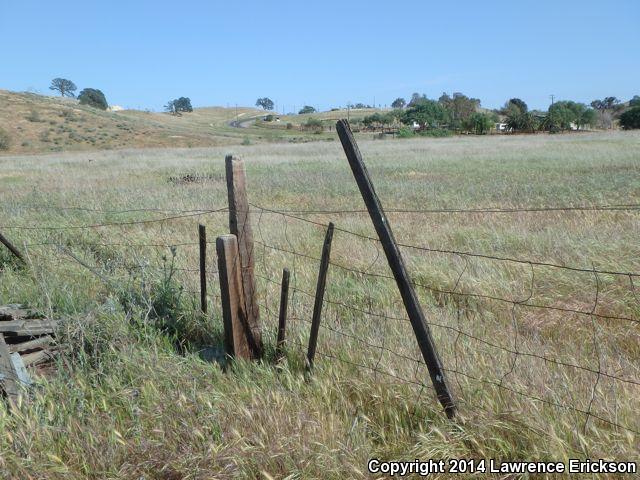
[394, 257]
[5, 241]
[8, 374]
[282, 317]
[202, 237]
[238, 337]
[320, 288]
[240, 226]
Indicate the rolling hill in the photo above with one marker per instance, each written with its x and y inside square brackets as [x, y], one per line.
[37, 123]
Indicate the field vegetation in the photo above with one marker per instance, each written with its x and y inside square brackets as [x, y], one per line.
[137, 394]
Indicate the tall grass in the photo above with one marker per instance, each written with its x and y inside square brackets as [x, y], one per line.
[133, 397]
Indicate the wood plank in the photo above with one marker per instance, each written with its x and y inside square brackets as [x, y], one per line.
[35, 357]
[7, 370]
[16, 311]
[12, 327]
[21, 371]
[31, 344]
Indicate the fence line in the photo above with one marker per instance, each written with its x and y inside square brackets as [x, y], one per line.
[601, 372]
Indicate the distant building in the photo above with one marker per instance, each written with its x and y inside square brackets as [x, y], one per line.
[116, 108]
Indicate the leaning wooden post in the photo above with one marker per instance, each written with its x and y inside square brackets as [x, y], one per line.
[282, 318]
[240, 226]
[394, 257]
[238, 338]
[320, 287]
[202, 237]
[11, 248]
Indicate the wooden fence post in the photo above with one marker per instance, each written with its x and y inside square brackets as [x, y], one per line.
[282, 318]
[394, 257]
[240, 226]
[202, 237]
[238, 337]
[320, 287]
[5, 241]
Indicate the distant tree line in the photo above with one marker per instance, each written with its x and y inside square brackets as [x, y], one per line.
[460, 113]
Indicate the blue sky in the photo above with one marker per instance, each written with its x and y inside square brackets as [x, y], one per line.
[141, 53]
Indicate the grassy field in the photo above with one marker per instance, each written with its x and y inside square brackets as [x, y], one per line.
[133, 398]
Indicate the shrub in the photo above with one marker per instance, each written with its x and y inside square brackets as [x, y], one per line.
[289, 126]
[630, 119]
[314, 124]
[5, 140]
[269, 118]
[405, 132]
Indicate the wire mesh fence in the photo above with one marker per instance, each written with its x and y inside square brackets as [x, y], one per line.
[517, 336]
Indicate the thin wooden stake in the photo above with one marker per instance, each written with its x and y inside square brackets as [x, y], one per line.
[5, 241]
[282, 318]
[394, 257]
[202, 236]
[238, 338]
[240, 226]
[320, 288]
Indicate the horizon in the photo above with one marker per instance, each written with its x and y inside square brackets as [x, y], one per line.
[299, 55]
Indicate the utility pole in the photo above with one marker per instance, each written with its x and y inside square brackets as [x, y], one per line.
[552, 98]
[236, 114]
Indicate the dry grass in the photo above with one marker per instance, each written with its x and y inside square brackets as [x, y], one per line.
[37, 124]
[132, 404]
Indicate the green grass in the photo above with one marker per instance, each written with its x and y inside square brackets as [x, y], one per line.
[133, 399]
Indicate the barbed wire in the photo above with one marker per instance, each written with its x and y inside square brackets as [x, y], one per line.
[456, 252]
[110, 224]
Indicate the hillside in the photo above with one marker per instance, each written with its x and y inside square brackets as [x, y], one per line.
[37, 124]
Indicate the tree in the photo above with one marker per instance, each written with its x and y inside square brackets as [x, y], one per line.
[427, 113]
[607, 103]
[179, 105]
[606, 108]
[460, 107]
[94, 98]
[306, 109]
[514, 106]
[265, 102]
[635, 101]
[630, 119]
[64, 86]
[479, 123]
[559, 117]
[416, 98]
[399, 103]
[521, 121]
